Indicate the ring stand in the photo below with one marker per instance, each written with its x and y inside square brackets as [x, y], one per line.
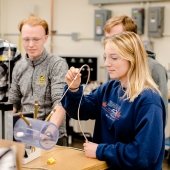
[10, 122]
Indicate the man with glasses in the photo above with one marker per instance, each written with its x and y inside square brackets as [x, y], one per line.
[39, 76]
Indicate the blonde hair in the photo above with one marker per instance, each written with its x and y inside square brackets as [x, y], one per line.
[127, 23]
[130, 47]
[34, 21]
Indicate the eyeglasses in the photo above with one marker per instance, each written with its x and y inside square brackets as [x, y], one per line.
[34, 40]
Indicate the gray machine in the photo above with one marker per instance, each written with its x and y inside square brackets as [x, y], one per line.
[101, 16]
[138, 14]
[155, 22]
[8, 56]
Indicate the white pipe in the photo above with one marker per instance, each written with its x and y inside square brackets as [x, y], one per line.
[3, 9]
[1, 23]
[52, 25]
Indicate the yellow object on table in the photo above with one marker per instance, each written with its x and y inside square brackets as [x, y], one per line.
[66, 158]
[51, 161]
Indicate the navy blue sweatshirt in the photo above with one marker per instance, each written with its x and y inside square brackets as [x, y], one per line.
[130, 134]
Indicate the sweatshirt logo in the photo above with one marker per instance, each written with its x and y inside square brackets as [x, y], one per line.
[41, 80]
[112, 110]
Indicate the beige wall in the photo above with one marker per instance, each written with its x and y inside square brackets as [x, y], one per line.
[76, 16]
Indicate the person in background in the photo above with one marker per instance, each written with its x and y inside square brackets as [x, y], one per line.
[159, 74]
[128, 109]
[39, 76]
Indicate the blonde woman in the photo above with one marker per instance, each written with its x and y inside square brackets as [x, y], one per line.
[118, 24]
[129, 111]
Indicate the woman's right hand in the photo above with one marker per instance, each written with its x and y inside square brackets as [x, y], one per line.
[73, 75]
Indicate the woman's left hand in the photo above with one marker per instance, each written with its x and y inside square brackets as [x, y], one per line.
[90, 149]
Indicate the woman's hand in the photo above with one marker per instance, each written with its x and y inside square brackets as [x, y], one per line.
[73, 76]
[90, 149]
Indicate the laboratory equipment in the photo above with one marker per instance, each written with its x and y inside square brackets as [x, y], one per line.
[36, 133]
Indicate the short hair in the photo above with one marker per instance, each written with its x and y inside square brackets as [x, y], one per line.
[127, 22]
[34, 21]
